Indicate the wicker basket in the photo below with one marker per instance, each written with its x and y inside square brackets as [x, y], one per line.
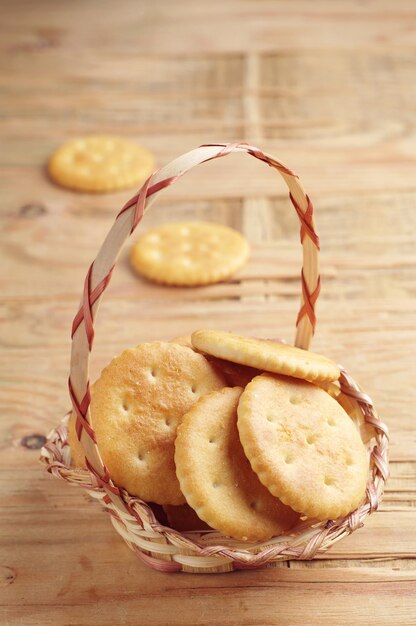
[207, 551]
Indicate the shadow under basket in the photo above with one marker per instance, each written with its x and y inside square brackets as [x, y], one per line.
[206, 551]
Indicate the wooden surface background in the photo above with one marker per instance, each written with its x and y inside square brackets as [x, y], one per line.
[329, 87]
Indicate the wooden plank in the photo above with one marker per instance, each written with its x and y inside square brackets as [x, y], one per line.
[91, 547]
[208, 27]
[329, 89]
[324, 603]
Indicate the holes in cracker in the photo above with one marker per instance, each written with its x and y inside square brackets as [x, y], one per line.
[310, 439]
[167, 422]
[328, 481]
[270, 418]
[331, 421]
[254, 505]
[153, 372]
[295, 400]
[211, 440]
[194, 388]
[140, 456]
[216, 484]
[289, 458]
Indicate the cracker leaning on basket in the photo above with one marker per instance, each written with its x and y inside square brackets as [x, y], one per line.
[137, 404]
[303, 446]
[275, 465]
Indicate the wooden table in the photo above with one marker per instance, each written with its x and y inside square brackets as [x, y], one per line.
[330, 88]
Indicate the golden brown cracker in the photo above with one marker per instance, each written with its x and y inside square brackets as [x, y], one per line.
[189, 253]
[303, 446]
[136, 406]
[351, 407]
[216, 477]
[100, 163]
[265, 354]
[236, 375]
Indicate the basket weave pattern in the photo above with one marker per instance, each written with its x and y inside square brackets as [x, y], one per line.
[207, 551]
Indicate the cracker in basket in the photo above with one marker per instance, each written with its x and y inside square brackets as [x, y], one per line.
[100, 163]
[189, 253]
[235, 375]
[303, 446]
[137, 404]
[184, 518]
[351, 406]
[266, 354]
[216, 477]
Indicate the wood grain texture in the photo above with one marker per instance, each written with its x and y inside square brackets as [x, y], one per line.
[330, 88]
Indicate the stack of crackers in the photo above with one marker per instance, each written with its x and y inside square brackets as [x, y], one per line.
[241, 435]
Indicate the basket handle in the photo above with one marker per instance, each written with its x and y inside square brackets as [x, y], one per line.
[99, 275]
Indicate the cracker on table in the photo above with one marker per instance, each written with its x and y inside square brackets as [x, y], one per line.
[303, 446]
[266, 354]
[189, 253]
[100, 163]
[137, 404]
[216, 477]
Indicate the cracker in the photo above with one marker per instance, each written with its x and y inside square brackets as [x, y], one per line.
[303, 446]
[189, 253]
[266, 354]
[216, 478]
[184, 518]
[137, 404]
[351, 407]
[234, 374]
[100, 163]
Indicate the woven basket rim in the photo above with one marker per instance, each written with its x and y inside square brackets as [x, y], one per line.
[307, 540]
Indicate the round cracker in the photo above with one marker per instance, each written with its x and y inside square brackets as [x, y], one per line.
[303, 446]
[100, 163]
[189, 253]
[235, 375]
[137, 404]
[266, 354]
[216, 477]
[351, 406]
